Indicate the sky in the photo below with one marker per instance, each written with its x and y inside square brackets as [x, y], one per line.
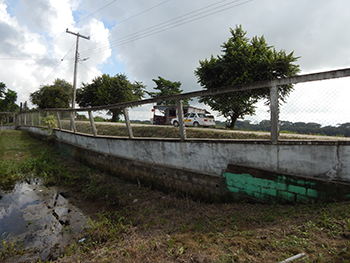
[167, 38]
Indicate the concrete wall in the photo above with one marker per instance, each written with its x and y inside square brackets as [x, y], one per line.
[186, 165]
[271, 186]
[6, 127]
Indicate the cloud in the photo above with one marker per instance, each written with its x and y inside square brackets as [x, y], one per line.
[167, 38]
[35, 49]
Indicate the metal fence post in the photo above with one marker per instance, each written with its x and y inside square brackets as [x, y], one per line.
[274, 110]
[72, 123]
[127, 121]
[180, 115]
[92, 122]
[14, 121]
[58, 120]
[32, 119]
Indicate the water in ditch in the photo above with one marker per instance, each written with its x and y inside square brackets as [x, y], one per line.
[41, 218]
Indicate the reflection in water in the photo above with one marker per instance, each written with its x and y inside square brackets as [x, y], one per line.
[39, 217]
[11, 205]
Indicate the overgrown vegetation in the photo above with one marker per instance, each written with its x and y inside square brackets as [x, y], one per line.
[132, 223]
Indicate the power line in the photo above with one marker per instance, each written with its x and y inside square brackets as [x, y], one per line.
[164, 26]
[93, 71]
[96, 11]
[58, 63]
[32, 59]
[136, 15]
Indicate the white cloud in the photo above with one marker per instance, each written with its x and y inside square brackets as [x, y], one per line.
[38, 32]
[314, 29]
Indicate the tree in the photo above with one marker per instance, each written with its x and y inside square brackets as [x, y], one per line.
[166, 88]
[58, 95]
[244, 61]
[106, 90]
[7, 99]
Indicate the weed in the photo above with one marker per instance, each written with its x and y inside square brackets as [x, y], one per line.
[9, 248]
[50, 123]
[168, 227]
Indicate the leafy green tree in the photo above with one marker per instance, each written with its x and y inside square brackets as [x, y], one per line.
[106, 90]
[7, 99]
[166, 88]
[244, 61]
[57, 95]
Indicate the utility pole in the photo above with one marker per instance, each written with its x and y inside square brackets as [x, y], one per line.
[75, 64]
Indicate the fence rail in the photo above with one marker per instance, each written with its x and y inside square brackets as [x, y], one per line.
[34, 117]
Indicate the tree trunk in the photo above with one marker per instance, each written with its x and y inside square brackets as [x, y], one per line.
[234, 118]
[115, 114]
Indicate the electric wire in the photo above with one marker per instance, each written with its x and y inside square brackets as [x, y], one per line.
[96, 11]
[164, 26]
[93, 71]
[136, 15]
[58, 64]
[73, 45]
[161, 27]
[32, 59]
[129, 18]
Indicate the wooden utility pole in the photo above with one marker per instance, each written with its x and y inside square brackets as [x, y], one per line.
[75, 64]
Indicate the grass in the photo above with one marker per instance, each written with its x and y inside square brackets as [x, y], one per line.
[160, 131]
[167, 131]
[131, 223]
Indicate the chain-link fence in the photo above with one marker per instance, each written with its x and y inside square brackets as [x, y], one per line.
[316, 105]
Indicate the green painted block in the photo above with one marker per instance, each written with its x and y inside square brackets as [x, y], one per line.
[239, 178]
[296, 189]
[281, 179]
[286, 196]
[312, 193]
[254, 181]
[248, 192]
[259, 196]
[268, 184]
[234, 189]
[236, 177]
[264, 197]
[253, 188]
[269, 191]
[281, 187]
[239, 184]
[305, 183]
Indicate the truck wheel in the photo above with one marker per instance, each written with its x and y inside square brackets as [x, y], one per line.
[195, 124]
[176, 124]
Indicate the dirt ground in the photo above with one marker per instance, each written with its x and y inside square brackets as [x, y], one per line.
[134, 223]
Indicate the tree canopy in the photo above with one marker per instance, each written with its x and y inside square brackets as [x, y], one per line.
[106, 90]
[7, 99]
[57, 95]
[166, 88]
[244, 60]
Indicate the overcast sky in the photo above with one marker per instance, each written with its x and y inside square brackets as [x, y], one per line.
[147, 39]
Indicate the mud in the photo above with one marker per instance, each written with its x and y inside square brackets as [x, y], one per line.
[41, 218]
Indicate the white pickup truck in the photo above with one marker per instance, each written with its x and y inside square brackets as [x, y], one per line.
[195, 119]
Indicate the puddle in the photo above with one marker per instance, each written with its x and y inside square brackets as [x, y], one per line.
[40, 217]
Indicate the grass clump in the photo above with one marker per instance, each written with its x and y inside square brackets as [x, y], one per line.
[133, 223]
[9, 248]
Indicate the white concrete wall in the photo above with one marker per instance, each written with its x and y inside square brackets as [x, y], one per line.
[6, 127]
[324, 160]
